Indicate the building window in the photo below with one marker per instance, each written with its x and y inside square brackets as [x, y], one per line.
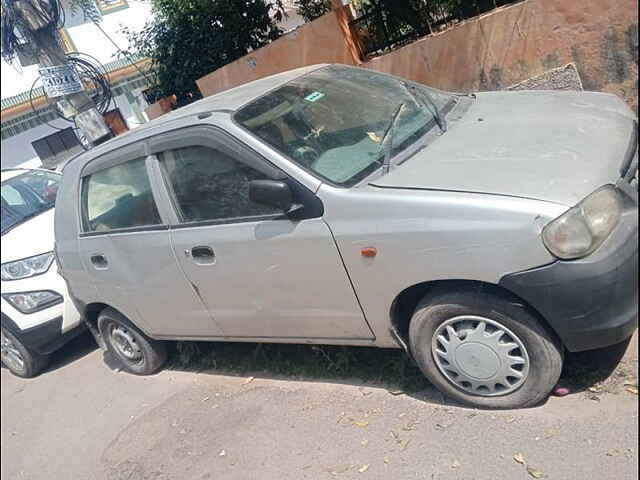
[109, 6]
[57, 147]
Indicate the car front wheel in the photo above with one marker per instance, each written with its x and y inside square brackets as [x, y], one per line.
[484, 349]
[19, 359]
[137, 353]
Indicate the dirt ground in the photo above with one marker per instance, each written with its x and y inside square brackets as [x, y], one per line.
[84, 420]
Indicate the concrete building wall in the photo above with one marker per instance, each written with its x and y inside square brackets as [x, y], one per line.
[518, 42]
[496, 50]
[17, 149]
[321, 41]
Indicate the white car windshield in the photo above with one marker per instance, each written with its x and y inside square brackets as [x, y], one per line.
[333, 121]
[27, 195]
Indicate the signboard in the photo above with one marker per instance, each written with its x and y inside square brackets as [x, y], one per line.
[60, 80]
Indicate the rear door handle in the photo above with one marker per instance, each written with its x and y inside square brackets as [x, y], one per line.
[99, 261]
[203, 255]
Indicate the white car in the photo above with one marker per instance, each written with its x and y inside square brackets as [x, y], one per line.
[37, 315]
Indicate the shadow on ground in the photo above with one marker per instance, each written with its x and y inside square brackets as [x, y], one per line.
[77, 348]
[593, 372]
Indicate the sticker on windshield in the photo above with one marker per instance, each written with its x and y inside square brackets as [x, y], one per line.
[314, 97]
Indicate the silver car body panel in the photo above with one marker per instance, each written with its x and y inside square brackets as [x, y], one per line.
[469, 218]
[580, 137]
[426, 235]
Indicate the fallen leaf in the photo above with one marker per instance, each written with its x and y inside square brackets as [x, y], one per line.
[361, 424]
[595, 389]
[440, 427]
[205, 399]
[519, 457]
[455, 465]
[410, 426]
[535, 473]
[222, 453]
[364, 443]
[511, 419]
[633, 390]
[613, 452]
[396, 392]
[363, 468]
[386, 460]
[340, 469]
[395, 436]
[248, 381]
[631, 383]
[405, 444]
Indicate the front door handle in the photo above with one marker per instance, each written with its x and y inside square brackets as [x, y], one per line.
[203, 255]
[99, 261]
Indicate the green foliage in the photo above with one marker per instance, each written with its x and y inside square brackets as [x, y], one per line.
[187, 39]
[388, 367]
[312, 9]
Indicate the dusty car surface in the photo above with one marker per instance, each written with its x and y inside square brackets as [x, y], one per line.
[484, 233]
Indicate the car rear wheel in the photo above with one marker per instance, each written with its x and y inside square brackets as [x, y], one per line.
[19, 359]
[485, 349]
[138, 353]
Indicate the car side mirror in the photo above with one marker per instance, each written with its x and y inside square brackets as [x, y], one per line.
[274, 193]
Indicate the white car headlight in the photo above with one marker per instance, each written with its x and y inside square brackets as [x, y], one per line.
[30, 302]
[27, 267]
[583, 228]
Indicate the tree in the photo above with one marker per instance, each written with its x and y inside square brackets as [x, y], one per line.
[312, 9]
[187, 39]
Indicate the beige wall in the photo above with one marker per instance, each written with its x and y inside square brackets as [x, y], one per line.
[491, 52]
[321, 41]
[517, 42]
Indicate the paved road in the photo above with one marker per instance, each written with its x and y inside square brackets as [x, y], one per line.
[82, 420]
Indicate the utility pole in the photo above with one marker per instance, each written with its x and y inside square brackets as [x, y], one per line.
[49, 53]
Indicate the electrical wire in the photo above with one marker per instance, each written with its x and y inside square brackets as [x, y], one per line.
[16, 36]
[95, 80]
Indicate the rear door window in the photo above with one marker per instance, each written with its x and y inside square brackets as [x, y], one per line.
[119, 197]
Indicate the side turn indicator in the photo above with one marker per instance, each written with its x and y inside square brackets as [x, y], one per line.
[369, 252]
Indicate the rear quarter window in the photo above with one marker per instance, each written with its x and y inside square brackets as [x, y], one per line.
[119, 197]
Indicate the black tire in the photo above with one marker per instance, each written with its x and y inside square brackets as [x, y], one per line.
[151, 355]
[544, 349]
[33, 362]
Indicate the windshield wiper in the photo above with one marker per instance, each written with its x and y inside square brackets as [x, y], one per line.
[387, 140]
[419, 98]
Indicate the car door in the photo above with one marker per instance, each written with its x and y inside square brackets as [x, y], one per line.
[260, 273]
[126, 250]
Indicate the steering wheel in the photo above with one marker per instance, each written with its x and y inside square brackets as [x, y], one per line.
[306, 155]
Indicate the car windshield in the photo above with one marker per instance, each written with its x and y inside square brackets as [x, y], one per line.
[27, 195]
[332, 121]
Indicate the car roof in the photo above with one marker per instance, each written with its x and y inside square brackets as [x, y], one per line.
[228, 101]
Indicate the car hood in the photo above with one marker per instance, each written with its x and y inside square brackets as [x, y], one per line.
[33, 237]
[552, 146]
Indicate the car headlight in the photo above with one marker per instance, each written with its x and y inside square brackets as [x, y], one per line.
[583, 228]
[30, 302]
[27, 267]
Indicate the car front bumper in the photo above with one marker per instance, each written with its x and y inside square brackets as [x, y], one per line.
[592, 302]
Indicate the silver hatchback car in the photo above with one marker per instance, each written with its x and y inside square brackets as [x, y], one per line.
[483, 233]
